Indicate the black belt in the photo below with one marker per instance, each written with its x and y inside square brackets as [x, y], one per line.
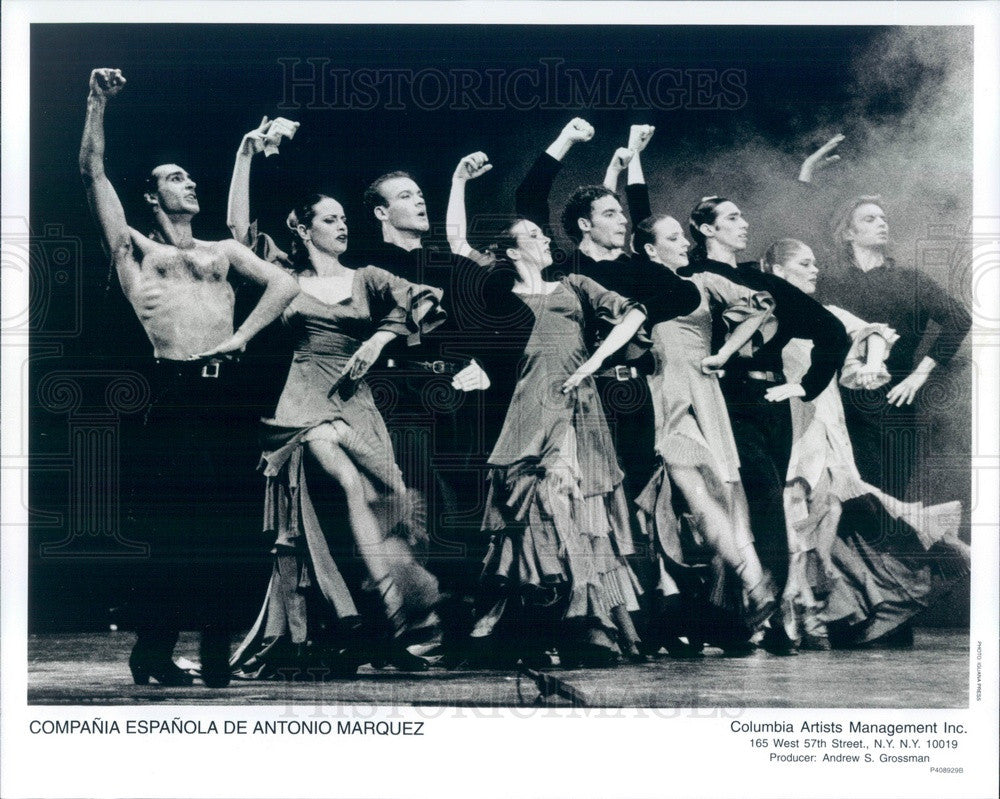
[211, 370]
[762, 376]
[439, 367]
[621, 373]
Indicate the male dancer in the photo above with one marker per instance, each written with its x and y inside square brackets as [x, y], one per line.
[754, 385]
[468, 348]
[179, 290]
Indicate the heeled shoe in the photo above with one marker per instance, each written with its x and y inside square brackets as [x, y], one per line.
[145, 665]
[762, 602]
[402, 660]
[632, 654]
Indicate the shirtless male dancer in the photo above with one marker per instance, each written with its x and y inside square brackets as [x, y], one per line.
[178, 287]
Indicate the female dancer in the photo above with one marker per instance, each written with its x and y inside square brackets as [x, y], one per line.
[326, 418]
[694, 440]
[859, 584]
[556, 507]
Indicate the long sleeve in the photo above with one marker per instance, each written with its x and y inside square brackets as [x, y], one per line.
[800, 316]
[639, 208]
[952, 316]
[665, 295]
[830, 347]
[531, 200]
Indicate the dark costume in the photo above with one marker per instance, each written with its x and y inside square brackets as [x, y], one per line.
[888, 442]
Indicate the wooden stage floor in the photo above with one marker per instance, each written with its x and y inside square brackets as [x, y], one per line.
[90, 669]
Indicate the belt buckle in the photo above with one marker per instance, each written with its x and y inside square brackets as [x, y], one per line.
[210, 369]
[438, 367]
[623, 373]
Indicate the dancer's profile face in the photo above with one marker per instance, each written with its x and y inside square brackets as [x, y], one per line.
[532, 244]
[868, 227]
[671, 247]
[328, 229]
[404, 207]
[174, 190]
[730, 228]
[607, 225]
[800, 270]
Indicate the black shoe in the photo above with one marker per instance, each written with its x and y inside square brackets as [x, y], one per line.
[677, 648]
[900, 638]
[214, 652]
[777, 642]
[737, 649]
[148, 661]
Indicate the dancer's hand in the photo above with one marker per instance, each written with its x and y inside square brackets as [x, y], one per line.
[471, 378]
[784, 392]
[905, 391]
[587, 368]
[363, 358]
[820, 159]
[106, 82]
[228, 350]
[870, 376]
[639, 136]
[577, 129]
[712, 365]
[267, 136]
[621, 158]
[472, 166]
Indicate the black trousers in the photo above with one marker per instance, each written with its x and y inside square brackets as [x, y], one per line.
[763, 434]
[888, 441]
[440, 437]
[195, 497]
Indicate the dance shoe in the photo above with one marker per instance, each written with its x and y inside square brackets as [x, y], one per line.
[146, 663]
[214, 652]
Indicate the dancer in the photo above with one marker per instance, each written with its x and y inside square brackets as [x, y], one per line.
[694, 441]
[866, 279]
[858, 585]
[868, 282]
[556, 507]
[754, 385]
[178, 287]
[326, 418]
[594, 221]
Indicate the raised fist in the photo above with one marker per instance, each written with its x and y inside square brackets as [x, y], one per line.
[472, 166]
[639, 136]
[106, 82]
[621, 158]
[578, 130]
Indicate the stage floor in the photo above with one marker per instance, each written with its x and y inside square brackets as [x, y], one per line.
[90, 669]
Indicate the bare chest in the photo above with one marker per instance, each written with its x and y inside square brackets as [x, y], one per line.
[197, 264]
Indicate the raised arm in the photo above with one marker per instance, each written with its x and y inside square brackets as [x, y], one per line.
[266, 136]
[823, 157]
[104, 202]
[531, 200]
[636, 190]
[279, 290]
[621, 159]
[469, 168]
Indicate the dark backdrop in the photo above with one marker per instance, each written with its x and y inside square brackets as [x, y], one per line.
[736, 111]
